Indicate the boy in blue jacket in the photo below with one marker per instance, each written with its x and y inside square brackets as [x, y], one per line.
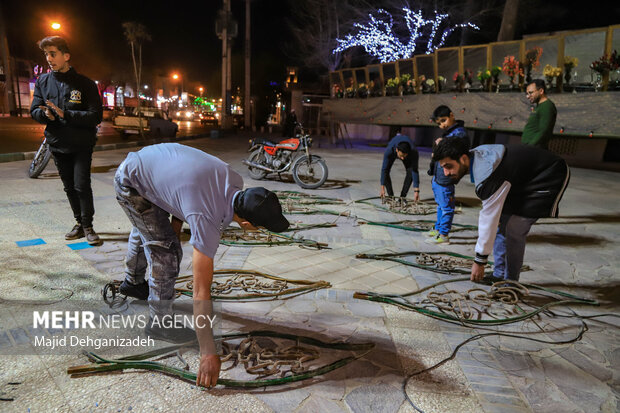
[443, 187]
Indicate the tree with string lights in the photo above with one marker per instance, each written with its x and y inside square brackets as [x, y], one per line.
[378, 37]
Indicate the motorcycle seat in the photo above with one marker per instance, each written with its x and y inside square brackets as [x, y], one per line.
[265, 142]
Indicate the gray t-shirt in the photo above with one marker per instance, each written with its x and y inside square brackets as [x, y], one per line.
[192, 185]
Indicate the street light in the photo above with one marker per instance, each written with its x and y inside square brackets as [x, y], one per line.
[56, 26]
[201, 89]
[176, 76]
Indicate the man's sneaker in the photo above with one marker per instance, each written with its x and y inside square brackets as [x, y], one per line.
[139, 291]
[177, 334]
[439, 240]
[91, 236]
[75, 233]
[432, 233]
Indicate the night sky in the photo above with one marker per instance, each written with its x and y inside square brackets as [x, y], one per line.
[184, 39]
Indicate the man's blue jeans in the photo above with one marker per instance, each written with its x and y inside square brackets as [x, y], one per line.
[444, 196]
[154, 251]
[509, 247]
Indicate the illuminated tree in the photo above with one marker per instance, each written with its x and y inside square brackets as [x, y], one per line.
[378, 38]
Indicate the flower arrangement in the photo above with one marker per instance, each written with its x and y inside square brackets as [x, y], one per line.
[337, 90]
[391, 86]
[495, 71]
[408, 84]
[393, 82]
[362, 90]
[468, 76]
[512, 68]
[531, 62]
[532, 57]
[551, 72]
[606, 63]
[441, 82]
[483, 76]
[459, 81]
[569, 64]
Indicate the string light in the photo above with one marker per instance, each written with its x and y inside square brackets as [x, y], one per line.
[377, 36]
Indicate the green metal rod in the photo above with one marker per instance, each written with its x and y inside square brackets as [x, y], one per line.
[137, 361]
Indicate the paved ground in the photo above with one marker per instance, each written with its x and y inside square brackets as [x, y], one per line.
[576, 253]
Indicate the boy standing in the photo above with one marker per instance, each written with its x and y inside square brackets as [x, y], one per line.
[69, 105]
[443, 186]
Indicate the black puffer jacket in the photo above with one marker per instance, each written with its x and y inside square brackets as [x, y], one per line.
[79, 98]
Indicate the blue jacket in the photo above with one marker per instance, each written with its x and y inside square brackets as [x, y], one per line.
[456, 131]
[410, 163]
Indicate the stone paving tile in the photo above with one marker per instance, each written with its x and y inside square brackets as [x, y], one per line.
[319, 404]
[375, 399]
[528, 377]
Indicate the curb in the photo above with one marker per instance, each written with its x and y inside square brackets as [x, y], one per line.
[22, 156]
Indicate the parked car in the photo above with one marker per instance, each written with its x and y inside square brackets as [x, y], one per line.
[209, 118]
[154, 122]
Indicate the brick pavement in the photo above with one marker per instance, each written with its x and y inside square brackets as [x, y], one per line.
[576, 253]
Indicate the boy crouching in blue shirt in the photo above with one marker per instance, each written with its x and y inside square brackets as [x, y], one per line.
[443, 187]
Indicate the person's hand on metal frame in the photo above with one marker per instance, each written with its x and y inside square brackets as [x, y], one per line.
[209, 370]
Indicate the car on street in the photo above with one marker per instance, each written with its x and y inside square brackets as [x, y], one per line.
[209, 118]
[185, 114]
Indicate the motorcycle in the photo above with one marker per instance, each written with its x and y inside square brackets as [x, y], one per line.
[309, 171]
[40, 160]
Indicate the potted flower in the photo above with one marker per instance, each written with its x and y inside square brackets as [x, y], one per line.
[550, 73]
[484, 77]
[602, 66]
[531, 62]
[362, 90]
[426, 85]
[441, 83]
[375, 89]
[469, 79]
[350, 92]
[337, 91]
[569, 64]
[495, 71]
[459, 81]
[407, 84]
[512, 68]
[391, 86]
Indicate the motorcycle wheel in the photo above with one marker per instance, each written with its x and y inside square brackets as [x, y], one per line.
[310, 175]
[257, 157]
[40, 160]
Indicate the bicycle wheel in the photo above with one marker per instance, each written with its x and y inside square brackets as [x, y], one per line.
[40, 160]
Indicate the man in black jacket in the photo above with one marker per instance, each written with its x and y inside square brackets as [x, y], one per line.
[517, 185]
[69, 105]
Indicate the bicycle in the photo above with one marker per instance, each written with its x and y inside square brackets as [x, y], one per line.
[40, 160]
